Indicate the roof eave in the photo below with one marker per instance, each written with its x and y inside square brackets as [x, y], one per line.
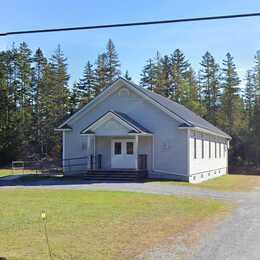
[62, 129]
[200, 129]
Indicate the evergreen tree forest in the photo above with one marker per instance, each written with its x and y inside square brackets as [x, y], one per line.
[35, 97]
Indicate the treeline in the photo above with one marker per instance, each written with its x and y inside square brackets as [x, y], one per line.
[35, 97]
[215, 93]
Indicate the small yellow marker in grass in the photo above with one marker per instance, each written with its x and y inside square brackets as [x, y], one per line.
[43, 215]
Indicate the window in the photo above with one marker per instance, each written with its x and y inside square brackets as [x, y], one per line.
[130, 148]
[219, 150]
[202, 149]
[195, 148]
[209, 149]
[215, 149]
[118, 147]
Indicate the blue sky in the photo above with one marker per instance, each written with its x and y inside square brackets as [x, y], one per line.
[135, 44]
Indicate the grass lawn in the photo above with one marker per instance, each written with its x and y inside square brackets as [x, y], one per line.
[226, 183]
[95, 225]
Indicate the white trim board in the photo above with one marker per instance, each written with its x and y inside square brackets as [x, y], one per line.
[204, 131]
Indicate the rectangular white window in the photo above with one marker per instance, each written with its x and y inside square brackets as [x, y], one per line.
[195, 148]
[219, 150]
[202, 149]
[215, 149]
[209, 149]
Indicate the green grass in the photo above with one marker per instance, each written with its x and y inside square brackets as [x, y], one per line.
[225, 183]
[95, 225]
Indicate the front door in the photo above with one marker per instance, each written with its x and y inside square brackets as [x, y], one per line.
[123, 154]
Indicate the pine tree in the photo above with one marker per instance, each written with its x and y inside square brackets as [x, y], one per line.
[127, 76]
[163, 76]
[101, 73]
[112, 62]
[190, 94]
[58, 102]
[256, 116]
[85, 88]
[25, 96]
[249, 95]
[60, 81]
[38, 116]
[256, 127]
[210, 86]
[157, 75]
[232, 115]
[148, 75]
[257, 70]
[231, 101]
[179, 72]
[249, 101]
[75, 98]
[11, 131]
[5, 109]
[49, 111]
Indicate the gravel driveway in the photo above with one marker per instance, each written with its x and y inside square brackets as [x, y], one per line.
[237, 237]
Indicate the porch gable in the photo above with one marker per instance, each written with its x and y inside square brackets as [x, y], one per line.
[115, 123]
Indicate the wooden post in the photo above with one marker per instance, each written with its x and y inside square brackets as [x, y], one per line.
[99, 166]
[91, 161]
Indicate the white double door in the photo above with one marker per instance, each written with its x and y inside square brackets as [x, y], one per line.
[123, 154]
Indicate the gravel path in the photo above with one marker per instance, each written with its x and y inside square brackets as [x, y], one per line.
[237, 237]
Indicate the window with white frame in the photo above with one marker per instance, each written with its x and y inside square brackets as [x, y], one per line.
[215, 149]
[195, 148]
[209, 149]
[219, 150]
[202, 148]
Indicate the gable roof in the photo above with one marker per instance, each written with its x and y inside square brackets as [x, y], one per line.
[186, 117]
[131, 123]
[192, 119]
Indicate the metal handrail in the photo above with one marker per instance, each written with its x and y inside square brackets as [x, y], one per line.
[59, 165]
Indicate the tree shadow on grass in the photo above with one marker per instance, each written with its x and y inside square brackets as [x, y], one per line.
[51, 180]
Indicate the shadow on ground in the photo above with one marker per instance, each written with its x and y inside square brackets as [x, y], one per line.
[42, 180]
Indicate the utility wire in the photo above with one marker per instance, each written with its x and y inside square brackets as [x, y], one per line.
[103, 26]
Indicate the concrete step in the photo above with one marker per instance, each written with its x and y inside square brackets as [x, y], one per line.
[112, 175]
[115, 175]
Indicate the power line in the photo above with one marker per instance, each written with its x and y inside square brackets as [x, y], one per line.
[104, 26]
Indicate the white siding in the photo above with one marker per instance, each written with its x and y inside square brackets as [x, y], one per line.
[170, 143]
[211, 166]
[170, 150]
